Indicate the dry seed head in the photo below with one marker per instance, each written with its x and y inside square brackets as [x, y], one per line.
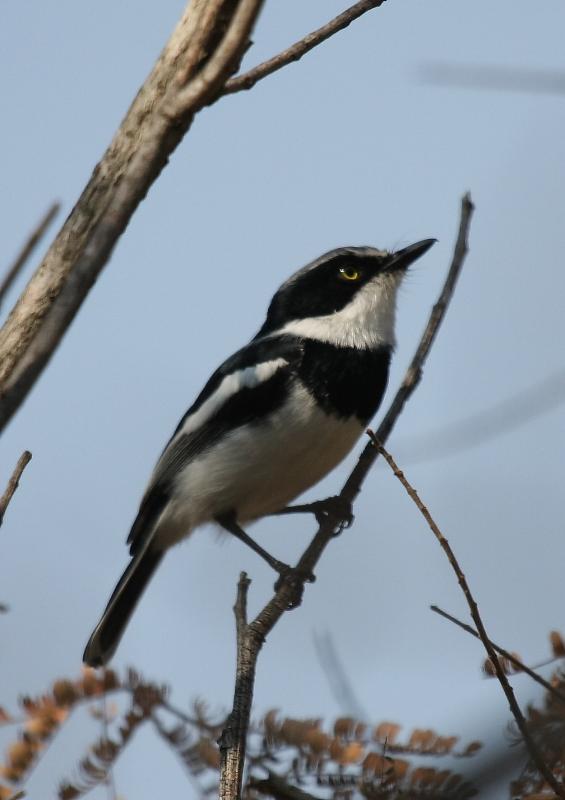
[386, 732]
[21, 754]
[557, 644]
[64, 693]
[208, 753]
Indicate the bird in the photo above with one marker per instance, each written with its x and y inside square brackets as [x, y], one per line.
[273, 419]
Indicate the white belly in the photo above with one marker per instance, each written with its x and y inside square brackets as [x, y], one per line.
[256, 472]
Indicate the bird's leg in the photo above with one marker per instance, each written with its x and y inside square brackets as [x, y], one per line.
[287, 573]
[229, 524]
[336, 507]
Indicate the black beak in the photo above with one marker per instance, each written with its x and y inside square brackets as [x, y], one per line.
[403, 258]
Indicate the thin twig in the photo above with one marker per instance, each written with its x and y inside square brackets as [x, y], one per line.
[289, 592]
[537, 758]
[29, 246]
[295, 52]
[414, 371]
[166, 705]
[277, 787]
[109, 781]
[520, 666]
[164, 734]
[13, 483]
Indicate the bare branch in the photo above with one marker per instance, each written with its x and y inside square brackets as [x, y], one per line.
[27, 250]
[353, 484]
[414, 371]
[505, 654]
[13, 483]
[230, 51]
[202, 52]
[537, 758]
[233, 740]
[277, 787]
[289, 591]
[295, 52]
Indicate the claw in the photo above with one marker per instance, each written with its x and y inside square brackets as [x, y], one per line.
[336, 507]
[296, 579]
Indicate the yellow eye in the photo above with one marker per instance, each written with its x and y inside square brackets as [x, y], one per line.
[349, 274]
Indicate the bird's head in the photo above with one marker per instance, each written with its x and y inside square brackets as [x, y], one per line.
[347, 297]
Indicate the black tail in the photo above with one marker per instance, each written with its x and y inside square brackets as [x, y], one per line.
[107, 634]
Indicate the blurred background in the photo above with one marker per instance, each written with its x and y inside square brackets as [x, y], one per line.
[362, 142]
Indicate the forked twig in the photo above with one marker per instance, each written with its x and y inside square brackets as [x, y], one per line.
[520, 666]
[537, 758]
[289, 593]
[192, 71]
[154, 125]
[247, 80]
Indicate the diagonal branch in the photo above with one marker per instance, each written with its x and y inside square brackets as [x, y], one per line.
[247, 80]
[27, 250]
[519, 665]
[537, 757]
[289, 592]
[193, 70]
[13, 483]
[203, 51]
[414, 371]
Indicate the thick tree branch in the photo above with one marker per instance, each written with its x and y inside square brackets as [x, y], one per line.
[289, 592]
[247, 80]
[537, 757]
[13, 483]
[203, 51]
[27, 250]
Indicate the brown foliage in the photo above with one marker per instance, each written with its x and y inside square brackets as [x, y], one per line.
[346, 761]
[349, 759]
[547, 725]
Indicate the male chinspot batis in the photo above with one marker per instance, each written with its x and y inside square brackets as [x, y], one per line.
[273, 419]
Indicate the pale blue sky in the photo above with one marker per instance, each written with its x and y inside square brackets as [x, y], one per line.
[347, 147]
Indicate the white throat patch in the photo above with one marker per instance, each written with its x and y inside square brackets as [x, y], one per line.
[366, 322]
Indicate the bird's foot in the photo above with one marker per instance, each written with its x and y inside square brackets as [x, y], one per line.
[295, 578]
[337, 509]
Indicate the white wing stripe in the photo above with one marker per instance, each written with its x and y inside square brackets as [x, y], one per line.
[231, 384]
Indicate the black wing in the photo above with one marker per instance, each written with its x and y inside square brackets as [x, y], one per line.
[247, 405]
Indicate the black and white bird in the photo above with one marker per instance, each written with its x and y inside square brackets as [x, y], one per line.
[273, 419]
